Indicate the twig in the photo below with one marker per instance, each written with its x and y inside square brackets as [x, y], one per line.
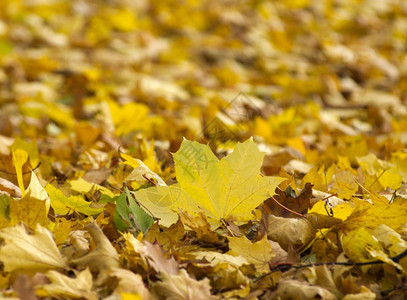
[149, 180]
[27, 172]
[287, 266]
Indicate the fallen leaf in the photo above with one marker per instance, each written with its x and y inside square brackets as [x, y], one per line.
[130, 214]
[372, 215]
[103, 256]
[200, 225]
[62, 286]
[10, 188]
[156, 257]
[392, 242]
[294, 289]
[63, 205]
[83, 187]
[259, 253]
[219, 259]
[124, 281]
[23, 286]
[299, 204]
[359, 245]
[225, 190]
[35, 190]
[181, 286]
[169, 238]
[140, 170]
[291, 232]
[29, 253]
[160, 201]
[30, 211]
[365, 294]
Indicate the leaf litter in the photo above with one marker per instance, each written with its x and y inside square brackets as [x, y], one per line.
[212, 149]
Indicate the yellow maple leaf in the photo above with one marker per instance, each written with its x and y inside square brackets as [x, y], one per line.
[33, 208]
[29, 210]
[359, 245]
[259, 253]
[160, 201]
[392, 241]
[386, 173]
[29, 253]
[228, 189]
[380, 212]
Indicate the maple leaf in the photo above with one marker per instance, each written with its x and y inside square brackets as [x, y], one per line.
[300, 203]
[225, 190]
[380, 212]
[157, 260]
[259, 253]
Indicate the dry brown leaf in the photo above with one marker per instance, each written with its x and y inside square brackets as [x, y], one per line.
[294, 289]
[289, 199]
[159, 262]
[297, 233]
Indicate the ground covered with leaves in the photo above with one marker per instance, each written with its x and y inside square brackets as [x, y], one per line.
[203, 149]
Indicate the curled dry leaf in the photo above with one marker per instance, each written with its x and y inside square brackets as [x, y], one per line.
[103, 256]
[10, 188]
[297, 233]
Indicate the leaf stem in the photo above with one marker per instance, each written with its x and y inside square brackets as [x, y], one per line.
[286, 208]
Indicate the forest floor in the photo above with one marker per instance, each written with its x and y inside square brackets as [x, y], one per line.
[203, 149]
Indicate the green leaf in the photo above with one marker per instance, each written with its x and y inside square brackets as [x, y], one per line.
[130, 214]
[5, 206]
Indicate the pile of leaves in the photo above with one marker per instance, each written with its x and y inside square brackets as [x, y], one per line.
[206, 149]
